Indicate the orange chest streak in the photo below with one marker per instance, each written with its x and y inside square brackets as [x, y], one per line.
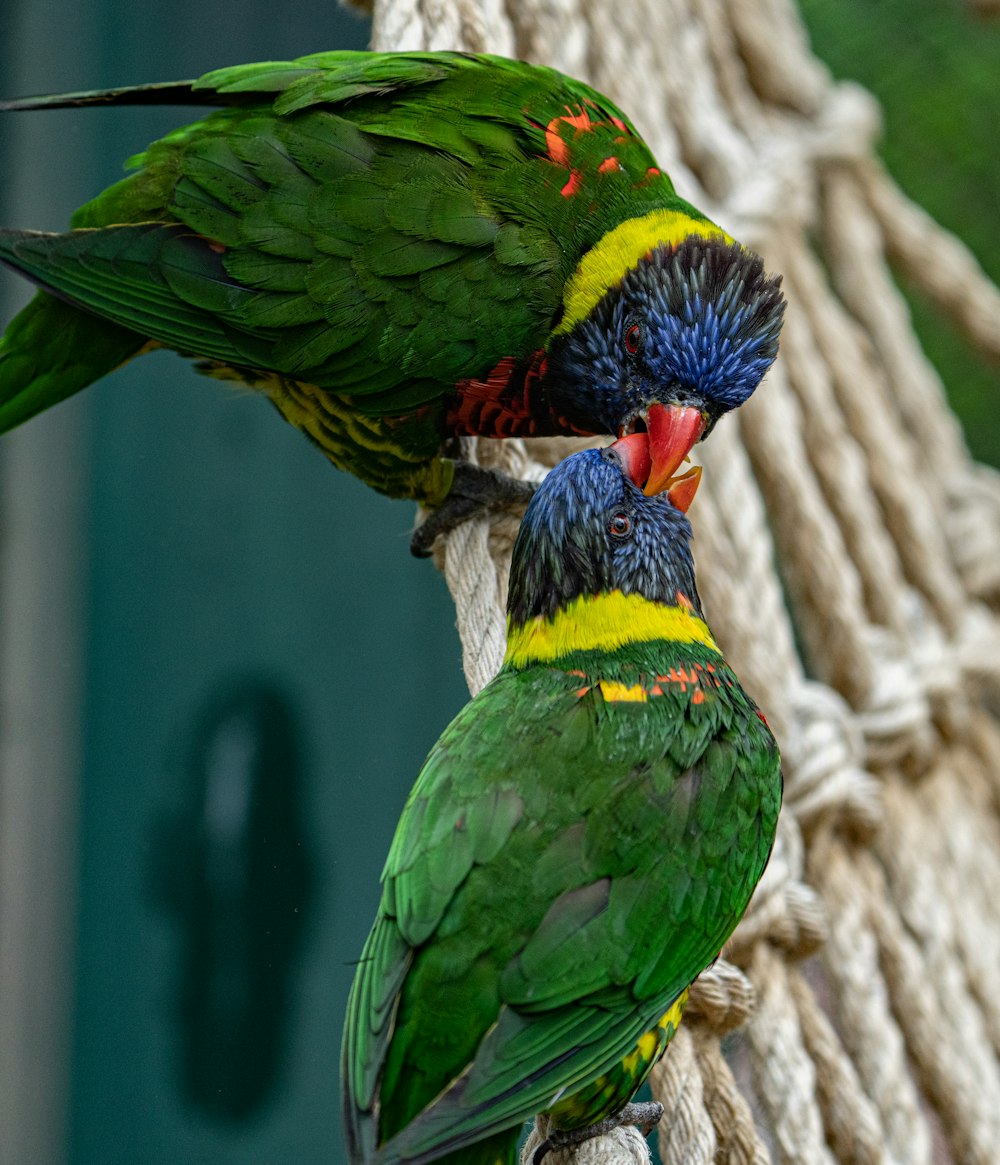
[691, 678]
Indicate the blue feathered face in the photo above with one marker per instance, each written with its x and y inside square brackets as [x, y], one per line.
[696, 325]
[590, 530]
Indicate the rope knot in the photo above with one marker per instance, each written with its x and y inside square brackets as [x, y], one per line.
[782, 187]
[722, 996]
[848, 124]
[974, 530]
[978, 647]
[896, 722]
[824, 757]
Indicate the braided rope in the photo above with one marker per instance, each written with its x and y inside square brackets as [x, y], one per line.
[954, 282]
[621, 1146]
[924, 932]
[873, 647]
[737, 579]
[852, 1125]
[739, 1142]
[784, 1075]
[824, 586]
[936, 1053]
[862, 394]
[870, 1035]
[686, 1134]
[966, 864]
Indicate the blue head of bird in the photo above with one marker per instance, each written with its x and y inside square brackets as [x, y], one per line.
[685, 336]
[590, 530]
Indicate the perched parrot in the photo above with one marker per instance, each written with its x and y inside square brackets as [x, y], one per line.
[400, 248]
[578, 847]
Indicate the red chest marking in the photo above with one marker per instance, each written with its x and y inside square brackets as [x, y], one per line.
[503, 403]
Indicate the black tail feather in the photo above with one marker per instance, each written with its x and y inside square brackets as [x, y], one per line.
[162, 93]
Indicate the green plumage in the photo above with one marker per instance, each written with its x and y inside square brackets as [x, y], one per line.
[567, 863]
[358, 235]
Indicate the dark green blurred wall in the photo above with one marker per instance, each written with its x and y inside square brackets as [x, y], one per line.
[220, 549]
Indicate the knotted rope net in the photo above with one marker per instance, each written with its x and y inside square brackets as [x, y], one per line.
[848, 557]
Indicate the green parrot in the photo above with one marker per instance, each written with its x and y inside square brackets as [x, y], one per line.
[399, 249]
[579, 845]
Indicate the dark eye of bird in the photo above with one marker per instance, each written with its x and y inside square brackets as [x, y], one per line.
[633, 339]
[620, 525]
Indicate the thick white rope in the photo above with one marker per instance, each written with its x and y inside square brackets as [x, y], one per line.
[862, 1009]
[967, 867]
[785, 1076]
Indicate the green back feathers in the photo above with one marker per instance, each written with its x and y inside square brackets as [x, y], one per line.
[566, 864]
[403, 236]
[369, 206]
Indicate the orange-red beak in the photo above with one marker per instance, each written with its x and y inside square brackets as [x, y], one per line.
[673, 431]
[634, 453]
[682, 492]
[651, 459]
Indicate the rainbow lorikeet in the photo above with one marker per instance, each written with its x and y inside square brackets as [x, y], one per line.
[399, 248]
[579, 845]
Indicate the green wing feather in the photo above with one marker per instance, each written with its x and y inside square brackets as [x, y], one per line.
[50, 351]
[549, 844]
[378, 224]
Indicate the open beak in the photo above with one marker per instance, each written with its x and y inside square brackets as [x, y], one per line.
[637, 463]
[651, 458]
[673, 431]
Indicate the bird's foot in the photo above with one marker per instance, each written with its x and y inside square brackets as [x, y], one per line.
[646, 1115]
[474, 490]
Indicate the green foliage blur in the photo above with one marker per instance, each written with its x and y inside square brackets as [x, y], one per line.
[935, 67]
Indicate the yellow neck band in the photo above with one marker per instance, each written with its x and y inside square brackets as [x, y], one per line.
[617, 252]
[602, 623]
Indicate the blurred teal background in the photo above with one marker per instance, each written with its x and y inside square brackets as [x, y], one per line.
[231, 667]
